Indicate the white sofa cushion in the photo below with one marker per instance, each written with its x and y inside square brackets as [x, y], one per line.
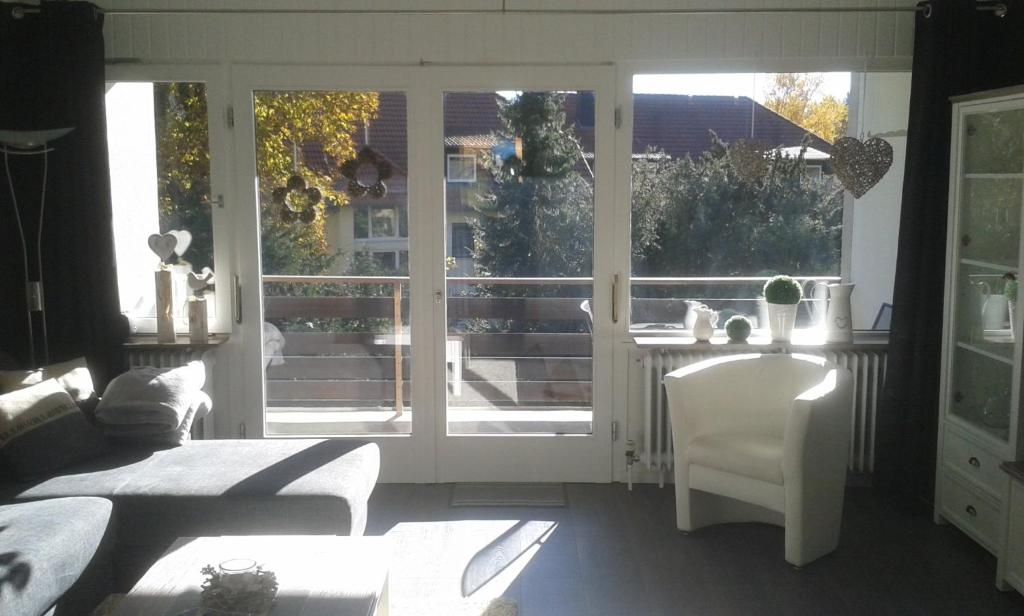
[750, 455]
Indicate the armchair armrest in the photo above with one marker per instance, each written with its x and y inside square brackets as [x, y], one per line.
[818, 427]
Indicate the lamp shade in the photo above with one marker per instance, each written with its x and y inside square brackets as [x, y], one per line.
[28, 139]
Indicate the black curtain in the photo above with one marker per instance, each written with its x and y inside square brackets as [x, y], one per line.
[957, 50]
[52, 75]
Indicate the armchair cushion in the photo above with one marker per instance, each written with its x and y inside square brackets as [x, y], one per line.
[750, 455]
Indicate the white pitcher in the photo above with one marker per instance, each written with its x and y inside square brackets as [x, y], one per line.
[838, 315]
[704, 326]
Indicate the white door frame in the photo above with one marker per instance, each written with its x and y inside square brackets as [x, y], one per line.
[429, 455]
[583, 458]
[407, 458]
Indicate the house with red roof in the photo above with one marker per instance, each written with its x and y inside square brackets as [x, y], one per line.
[676, 125]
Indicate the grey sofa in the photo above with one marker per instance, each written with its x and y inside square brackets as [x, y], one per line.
[216, 487]
[53, 550]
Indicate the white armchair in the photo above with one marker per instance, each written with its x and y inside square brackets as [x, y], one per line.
[763, 438]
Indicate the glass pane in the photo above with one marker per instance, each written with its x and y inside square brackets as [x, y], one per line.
[336, 344]
[982, 312]
[981, 391]
[518, 351]
[361, 221]
[383, 222]
[158, 139]
[992, 142]
[990, 220]
[731, 183]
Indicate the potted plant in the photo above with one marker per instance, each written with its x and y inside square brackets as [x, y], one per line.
[738, 329]
[782, 294]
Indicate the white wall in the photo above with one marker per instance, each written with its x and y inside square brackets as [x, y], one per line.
[885, 99]
[749, 41]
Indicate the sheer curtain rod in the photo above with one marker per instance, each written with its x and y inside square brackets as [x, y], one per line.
[19, 12]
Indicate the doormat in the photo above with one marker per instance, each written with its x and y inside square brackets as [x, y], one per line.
[508, 495]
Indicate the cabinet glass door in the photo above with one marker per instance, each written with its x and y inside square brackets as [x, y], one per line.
[988, 233]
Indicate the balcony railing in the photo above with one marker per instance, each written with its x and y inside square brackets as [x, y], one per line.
[513, 343]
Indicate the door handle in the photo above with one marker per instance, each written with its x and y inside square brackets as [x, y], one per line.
[615, 298]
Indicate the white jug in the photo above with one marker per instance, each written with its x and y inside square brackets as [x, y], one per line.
[838, 315]
[691, 313]
[704, 326]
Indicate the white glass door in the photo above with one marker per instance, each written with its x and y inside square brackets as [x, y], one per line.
[526, 190]
[336, 215]
[419, 265]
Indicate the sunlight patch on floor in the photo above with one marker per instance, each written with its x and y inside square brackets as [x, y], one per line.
[458, 567]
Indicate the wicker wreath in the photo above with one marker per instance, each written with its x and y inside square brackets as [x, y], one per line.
[367, 157]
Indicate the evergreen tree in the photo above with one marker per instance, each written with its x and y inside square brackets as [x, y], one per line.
[538, 218]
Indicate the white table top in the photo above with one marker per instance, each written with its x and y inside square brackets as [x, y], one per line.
[317, 575]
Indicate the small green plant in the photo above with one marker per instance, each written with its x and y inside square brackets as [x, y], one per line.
[1010, 287]
[738, 328]
[783, 290]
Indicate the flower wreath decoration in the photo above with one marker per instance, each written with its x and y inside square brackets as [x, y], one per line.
[367, 157]
[297, 200]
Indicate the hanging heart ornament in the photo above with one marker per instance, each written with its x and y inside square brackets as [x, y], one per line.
[750, 159]
[184, 240]
[859, 166]
[163, 245]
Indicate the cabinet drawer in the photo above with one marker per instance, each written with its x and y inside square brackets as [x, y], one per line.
[973, 461]
[970, 512]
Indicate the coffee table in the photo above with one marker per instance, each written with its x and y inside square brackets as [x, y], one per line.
[317, 575]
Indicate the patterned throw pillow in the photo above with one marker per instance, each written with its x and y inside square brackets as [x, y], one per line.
[73, 376]
[42, 430]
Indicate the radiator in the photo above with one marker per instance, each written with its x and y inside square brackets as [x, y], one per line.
[867, 367]
[161, 358]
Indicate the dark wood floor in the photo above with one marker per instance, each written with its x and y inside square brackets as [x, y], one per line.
[611, 551]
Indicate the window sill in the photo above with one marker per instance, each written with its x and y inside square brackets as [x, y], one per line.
[761, 341]
[143, 342]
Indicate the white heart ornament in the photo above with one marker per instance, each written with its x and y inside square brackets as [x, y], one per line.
[184, 240]
[162, 245]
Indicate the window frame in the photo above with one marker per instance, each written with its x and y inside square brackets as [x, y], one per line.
[462, 157]
[217, 101]
[624, 155]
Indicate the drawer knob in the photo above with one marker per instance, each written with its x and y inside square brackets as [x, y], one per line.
[971, 511]
[975, 462]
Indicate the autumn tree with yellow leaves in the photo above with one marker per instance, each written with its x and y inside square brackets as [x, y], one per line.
[796, 97]
[286, 121]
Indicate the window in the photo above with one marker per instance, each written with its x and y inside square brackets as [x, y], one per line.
[462, 240]
[158, 140]
[732, 183]
[462, 168]
[379, 222]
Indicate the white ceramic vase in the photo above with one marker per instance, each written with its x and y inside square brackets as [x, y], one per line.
[781, 319]
[839, 316]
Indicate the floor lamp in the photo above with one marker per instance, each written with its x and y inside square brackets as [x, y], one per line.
[31, 143]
